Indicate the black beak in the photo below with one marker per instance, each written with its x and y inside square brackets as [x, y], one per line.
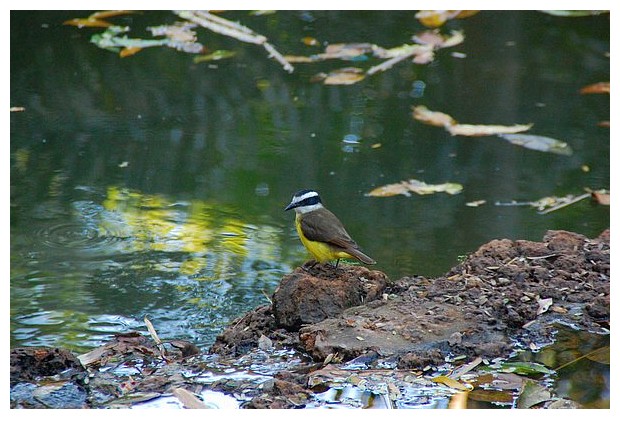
[290, 206]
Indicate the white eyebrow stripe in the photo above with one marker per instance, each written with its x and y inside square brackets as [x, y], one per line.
[305, 196]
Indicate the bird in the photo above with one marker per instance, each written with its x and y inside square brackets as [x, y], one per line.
[321, 232]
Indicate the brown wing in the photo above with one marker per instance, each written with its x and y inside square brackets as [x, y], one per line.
[323, 225]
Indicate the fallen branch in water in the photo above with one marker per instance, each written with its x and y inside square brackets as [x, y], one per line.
[235, 30]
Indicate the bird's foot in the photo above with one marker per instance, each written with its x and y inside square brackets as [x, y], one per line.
[309, 265]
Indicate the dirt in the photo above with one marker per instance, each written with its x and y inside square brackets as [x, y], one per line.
[506, 295]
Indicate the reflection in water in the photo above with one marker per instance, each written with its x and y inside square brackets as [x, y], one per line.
[189, 266]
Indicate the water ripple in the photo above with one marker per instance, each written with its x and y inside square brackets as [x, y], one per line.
[74, 235]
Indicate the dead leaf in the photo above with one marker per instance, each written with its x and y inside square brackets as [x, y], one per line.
[347, 50]
[543, 305]
[602, 197]
[596, 88]
[299, 59]
[437, 119]
[87, 22]
[440, 119]
[110, 13]
[494, 396]
[476, 203]
[574, 13]
[127, 52]
[438, 40]
[532, 394]
[540, 143]
[407, 186]
[96, 19]
[465, 368]
[452, 383]
[188, 399]
[181, 32]
[470, 130]
[344, 76]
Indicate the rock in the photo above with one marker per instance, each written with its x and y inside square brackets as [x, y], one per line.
[310, 295]
[399, 326]
[30, 363]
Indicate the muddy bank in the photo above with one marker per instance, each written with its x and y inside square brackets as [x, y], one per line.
[505, 292]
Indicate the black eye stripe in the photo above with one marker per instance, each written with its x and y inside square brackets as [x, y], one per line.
[310, 201]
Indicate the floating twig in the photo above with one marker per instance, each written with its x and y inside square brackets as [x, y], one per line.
[567, 203]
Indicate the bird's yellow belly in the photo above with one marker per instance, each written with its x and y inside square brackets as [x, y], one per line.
[322, 252]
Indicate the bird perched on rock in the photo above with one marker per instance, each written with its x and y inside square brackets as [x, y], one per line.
[321, 232]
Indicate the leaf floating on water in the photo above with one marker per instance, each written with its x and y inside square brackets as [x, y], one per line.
[596, 88]
[406, 187]
[96, 19]
[437, 40]
[486, 130]
[299, 59]
[437, 119]
[112, 40]
[532, 394]
[214, 56]
[348, 51]
[525, 368]
[344, 76]
[87, 22]
[127, 52]
[493, 396]
[602, 197]
[540, 143]
[476, 203]
[440, 119]
[574, 13]
[181, 32]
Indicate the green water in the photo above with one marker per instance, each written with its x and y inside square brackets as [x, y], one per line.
[153, 186]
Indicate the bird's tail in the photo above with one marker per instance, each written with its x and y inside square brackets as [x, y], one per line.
[360, 256]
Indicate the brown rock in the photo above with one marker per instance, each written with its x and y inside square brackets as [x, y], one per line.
[564, 241]
[30, 363]
[310, 295]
